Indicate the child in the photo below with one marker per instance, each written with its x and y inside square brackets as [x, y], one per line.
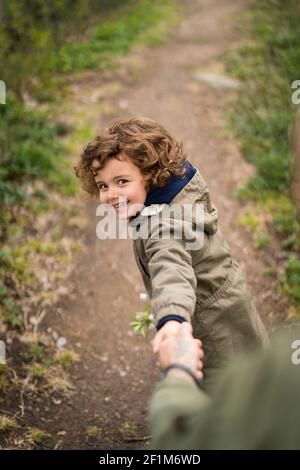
[136, 163]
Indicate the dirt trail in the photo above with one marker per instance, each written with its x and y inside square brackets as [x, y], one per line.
[116, 372]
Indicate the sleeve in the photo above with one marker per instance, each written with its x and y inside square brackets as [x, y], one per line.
[173, 280]
[172, 411]
[164, 320]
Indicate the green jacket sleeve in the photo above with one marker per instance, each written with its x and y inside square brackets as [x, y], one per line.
[173, 280]
[255, 404]
[172, 410]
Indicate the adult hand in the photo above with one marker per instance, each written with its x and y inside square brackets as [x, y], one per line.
[182, 348]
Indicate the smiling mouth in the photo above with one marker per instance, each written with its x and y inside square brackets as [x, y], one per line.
[120, 204]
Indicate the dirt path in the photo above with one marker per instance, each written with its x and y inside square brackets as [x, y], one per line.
[116, 372]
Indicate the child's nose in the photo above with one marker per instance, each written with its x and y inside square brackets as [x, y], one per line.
[112, 194]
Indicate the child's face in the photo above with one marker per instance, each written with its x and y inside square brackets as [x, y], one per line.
[121, 184]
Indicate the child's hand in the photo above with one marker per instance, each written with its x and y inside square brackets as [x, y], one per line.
[169, 329]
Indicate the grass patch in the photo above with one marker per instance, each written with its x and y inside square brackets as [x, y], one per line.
[128, 430]
[146, 22]
[36, 436]
[7, 424]
[65, 359]
[291, 280]
[267, 64]
[94, 432]
[30, 150]
[4, 380]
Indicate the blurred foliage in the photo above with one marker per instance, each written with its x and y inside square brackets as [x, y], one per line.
[38, 40]
[291, 279]
[32, 33]
[267, 64]
[41, 42]
[115, 38]
[29, 149]
[41, 37]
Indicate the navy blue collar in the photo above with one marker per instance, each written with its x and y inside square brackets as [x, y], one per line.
[175, 184]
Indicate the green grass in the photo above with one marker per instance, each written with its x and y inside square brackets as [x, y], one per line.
[30, 151]
[34, 159]
[142, 23]
[36, 435]
[267, 63]
[7, 424]
[291, 280]
[65, 359]
[262, 116]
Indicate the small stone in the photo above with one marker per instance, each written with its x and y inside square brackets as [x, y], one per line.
[143, 296]
[123, 104]
[55, 401]
[61, 342]
[218, 81]
[62, 290]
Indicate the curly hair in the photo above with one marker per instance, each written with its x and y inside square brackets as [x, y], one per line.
[145, 142]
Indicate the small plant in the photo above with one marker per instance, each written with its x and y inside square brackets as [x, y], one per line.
[261, 241]
[3, 291]
[94, 432]
[291, 278]
[250, 221]
[40, 361]
[270, 272]
[128, 430]
[6, 424]
[12, 313]
[65, 359]
[38, 371]
[35, 353]
[142, 321]
[36, 436]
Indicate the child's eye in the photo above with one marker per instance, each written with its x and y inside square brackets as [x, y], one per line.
[101, 186]
[122, 181]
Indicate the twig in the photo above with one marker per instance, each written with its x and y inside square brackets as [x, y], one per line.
[6, 412]
[57, 445]
[136, 439]
[22, 406]
[38, 320]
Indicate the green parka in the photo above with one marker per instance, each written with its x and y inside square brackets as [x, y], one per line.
[205, 286]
